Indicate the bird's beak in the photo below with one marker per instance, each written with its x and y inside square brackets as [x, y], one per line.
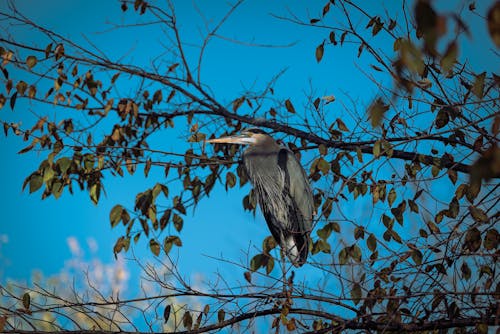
[241, 140]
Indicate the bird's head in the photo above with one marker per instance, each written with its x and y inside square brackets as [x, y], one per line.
[250, 136]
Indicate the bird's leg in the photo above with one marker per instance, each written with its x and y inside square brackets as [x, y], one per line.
[283, 270]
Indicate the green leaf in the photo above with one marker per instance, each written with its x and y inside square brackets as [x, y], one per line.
[169, 242]
[343, 256]
[478, 85]
[355, 253]
[356, 293]
[325, 232]
[398, 212]
[376, 112]
[115, 215]
[230, 180]
[341, 125]
[376, 149]
[449, 58]
[48, 174]
[197, 137]
[324, 246]
[256, 262]
[483, 328]
[323, 165]
[269, 265]
[359, 154]
[411, 57]
[64, 163]
[154, 246]
[57, 188]
[95, 192]
[165, 218]
[36, 182]
[121, 243]
[268, 244]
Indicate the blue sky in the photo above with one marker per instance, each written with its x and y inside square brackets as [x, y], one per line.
[37, 230]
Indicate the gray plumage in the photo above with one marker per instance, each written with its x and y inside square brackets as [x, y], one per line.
[283, 191]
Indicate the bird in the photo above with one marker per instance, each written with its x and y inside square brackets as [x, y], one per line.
[283, 191]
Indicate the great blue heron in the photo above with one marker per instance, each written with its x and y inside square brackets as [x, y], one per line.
[282, 189]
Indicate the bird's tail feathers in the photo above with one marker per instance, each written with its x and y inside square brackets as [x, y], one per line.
[296, 251]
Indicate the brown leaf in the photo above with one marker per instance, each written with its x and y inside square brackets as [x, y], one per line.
[154, 246]
[326, 8]
[220, 315]
[187, 320]
[356, 293]
[320, 49]
[26, 301]
[166, 313]
[289, 106]
[238, 102]
[478, 214]
[248, 276]
[341, 125]
[494, 23]
[31, 61]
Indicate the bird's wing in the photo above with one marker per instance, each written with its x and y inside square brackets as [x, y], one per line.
[298, 185]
